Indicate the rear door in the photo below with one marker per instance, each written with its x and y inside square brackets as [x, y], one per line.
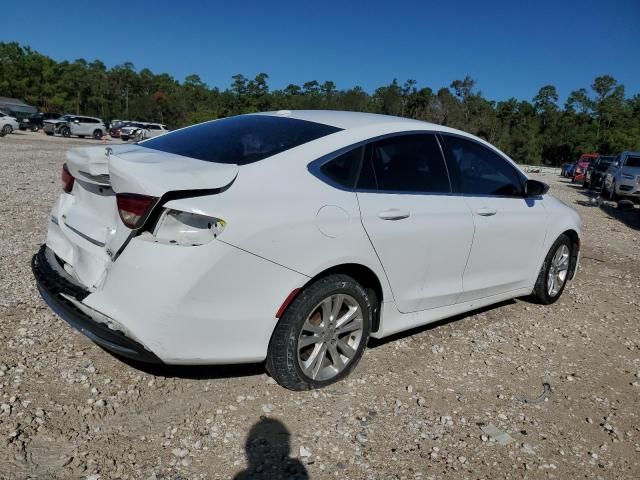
[509, 229]
[420, 231]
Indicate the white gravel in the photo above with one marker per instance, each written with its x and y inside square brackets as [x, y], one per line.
[417, 406]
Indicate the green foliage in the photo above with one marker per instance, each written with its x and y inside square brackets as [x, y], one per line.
[530, 132]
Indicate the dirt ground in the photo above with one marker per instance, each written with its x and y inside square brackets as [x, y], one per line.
[444, 401]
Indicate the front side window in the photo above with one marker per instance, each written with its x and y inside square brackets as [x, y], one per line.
[407, 163]
[480, 171]
[632, 162]
[239, 140]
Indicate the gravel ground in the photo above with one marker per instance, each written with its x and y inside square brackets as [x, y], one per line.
[441, 401]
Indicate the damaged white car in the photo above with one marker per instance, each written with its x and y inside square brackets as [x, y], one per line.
[292, 237]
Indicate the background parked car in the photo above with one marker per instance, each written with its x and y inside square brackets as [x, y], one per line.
[154, 130]
[36, 121]
[129, 130]
[581, 167]
[140, 131]
[596, 171]
[80, 126]
[7, 124]
[19, 110]
[116, 126]
[622, 179]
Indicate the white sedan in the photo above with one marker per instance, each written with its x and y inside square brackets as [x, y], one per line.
[292, 237]
[8, 124]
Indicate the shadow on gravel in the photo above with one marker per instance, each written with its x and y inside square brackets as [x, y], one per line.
[630, 215]
[375, 342]
[268, 447]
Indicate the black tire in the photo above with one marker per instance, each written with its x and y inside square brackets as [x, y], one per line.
[540, 292]
[81, 136]
[35, 128]
[97, 134]
[7, 130]
[49, 134]
[282, 357]
[65, 132]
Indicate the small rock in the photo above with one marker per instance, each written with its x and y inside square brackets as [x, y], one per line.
[180, 452]
[304, 452]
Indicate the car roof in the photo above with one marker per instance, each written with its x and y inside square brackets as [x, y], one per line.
[348, 120]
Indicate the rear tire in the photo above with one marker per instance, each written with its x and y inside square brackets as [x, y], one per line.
[322, 335]
[554, 273]
[97, 134]
[7, 130]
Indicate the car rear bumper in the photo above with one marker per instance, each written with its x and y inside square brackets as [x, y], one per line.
[58, 291]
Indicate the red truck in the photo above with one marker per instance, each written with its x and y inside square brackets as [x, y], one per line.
[581, 168]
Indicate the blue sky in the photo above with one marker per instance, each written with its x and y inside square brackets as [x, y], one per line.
[511, 48]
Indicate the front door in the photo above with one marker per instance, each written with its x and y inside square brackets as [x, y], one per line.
[509, 229]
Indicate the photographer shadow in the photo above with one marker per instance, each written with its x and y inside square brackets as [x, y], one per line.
[267, 449]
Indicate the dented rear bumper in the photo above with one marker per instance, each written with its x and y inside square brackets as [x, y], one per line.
[61, 293]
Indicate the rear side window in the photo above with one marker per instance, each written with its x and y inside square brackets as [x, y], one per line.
[343, 169]
[240, 140]
[408, 163]
[480, 171]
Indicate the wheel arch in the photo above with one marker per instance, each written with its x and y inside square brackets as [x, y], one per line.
[575, 250]
[364, 275]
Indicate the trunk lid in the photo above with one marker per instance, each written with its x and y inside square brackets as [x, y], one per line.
[89, 219]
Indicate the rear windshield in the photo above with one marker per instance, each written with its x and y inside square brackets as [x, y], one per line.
[239, 140]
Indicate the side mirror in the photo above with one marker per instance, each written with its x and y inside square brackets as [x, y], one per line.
[535, 188]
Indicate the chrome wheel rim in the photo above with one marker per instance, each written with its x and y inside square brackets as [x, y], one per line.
[558, 270]
[330, 337]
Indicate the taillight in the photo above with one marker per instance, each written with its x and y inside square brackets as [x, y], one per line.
[133, 208]
[67, 179]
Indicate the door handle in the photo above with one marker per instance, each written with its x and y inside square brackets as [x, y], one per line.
[486, 212]
[393, 214]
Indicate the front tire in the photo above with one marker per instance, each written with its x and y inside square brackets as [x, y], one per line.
[554, 273]
[7, 129]
[65, 132]
[322, 335]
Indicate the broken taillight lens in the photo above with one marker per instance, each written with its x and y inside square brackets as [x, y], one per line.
[133, 208]
[67, 179]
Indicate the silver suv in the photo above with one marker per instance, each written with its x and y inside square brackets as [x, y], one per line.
[622, 179]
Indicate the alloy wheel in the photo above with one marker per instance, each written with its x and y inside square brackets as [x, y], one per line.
[330, 337]
[558, 270]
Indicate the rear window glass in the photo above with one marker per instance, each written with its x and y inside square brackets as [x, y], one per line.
[239, 140]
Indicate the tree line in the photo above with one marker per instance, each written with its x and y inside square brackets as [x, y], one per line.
[541, 131]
